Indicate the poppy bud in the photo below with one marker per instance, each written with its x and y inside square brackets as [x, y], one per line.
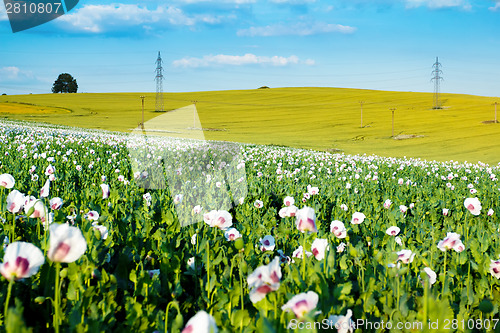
[239, 244]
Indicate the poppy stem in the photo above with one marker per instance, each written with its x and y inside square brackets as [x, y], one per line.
[276, 306]
[57, 298]
[37, 230]
[468, 286]
[166, 314]
[13, 231]
[444, 274]
[208, 272]
[304, 256]
[466, 227]
[398, 292]
[426, 300]
[241, 284]
[7, 299]
[44, 233]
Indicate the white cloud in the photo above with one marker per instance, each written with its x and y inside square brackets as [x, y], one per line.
[297, 29]
[3, 14]
[496, 7]
[293, 2]
[237, 2]
[236, 60]
[14, 73]
[99, 18]
[436, 4]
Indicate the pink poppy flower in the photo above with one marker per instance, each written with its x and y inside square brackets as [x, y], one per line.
[147, 197]
[178, 199]
[284, 259]
[406, 256]
[393, 231]
[341, 247]
[264, 279]
[38, 206]
[445, 211]
[44, 192]
[66, 243]
[495, 268]
[473, 205]
[431, 274]
[459, 246]
[7, 181]
[403, 209]
[302, 303]
[289, 211]
[267, 243]
[232, 234]
[319, 248]
[153, 272]
[299, 253]
[92, 215]
[288, 201]
[197, 209]
[55, 203]
[306, 220]
[258, 204]
[21, 260]
[343, 324]
[312, 190]
[387, 204]
[491, 212]
[50, 170]
[338, 229]
[15, 201]
[451, 241]
[102, 230]
[218, 218]
[201, 322]
[105, 191]
[358, 218]
[191, 263]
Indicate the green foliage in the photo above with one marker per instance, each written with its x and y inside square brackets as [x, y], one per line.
[65, 83]
[140, 275]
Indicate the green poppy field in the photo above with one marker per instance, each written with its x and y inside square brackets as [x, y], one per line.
[142, 233]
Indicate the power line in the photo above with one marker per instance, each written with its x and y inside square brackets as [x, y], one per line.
[159, 84]
[437, 79]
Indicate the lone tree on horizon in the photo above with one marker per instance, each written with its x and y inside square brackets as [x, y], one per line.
[65, 83]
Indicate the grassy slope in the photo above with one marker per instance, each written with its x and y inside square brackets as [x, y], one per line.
[321, 118]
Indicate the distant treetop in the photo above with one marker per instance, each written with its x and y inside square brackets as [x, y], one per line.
[65, 83]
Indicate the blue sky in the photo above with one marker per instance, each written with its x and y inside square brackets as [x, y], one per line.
[244, 44]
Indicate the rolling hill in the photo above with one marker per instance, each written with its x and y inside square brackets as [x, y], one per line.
[315, 118]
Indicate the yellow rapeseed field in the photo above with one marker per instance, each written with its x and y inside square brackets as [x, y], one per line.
[317, 118]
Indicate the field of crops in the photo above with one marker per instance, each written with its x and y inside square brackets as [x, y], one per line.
[109, 232]
[327, 119]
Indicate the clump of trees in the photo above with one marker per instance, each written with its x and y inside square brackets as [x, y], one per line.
[65, 83]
